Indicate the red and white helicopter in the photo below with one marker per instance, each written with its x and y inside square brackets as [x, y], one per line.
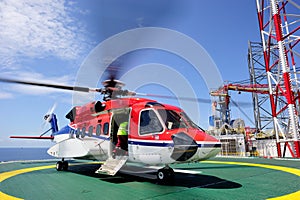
[156, 133]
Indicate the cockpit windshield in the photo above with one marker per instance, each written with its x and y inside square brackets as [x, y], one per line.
[172, 119]
[151, 121]
[190, 122]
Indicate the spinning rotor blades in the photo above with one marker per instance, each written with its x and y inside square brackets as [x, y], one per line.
[62, 87]
[111, 89]
[177, 98]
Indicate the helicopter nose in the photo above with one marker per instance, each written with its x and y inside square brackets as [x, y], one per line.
[184, 147]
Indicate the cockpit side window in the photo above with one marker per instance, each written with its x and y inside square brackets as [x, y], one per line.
[172, 119]
[149, 122]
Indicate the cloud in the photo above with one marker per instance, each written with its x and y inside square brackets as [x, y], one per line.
[6, 95]
[37, 28]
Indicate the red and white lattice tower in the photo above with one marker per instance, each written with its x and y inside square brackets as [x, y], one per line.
[279, 23]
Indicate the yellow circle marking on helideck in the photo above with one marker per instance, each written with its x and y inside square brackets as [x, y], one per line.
[7, 175]
[295, 195]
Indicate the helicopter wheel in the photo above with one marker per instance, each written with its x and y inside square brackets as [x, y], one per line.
[59, 165]
[165, 175]
[62, 165]
[65, 165]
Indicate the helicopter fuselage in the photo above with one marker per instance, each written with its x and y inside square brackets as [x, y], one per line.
[156, 134]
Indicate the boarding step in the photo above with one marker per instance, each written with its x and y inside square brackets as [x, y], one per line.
[112, 165]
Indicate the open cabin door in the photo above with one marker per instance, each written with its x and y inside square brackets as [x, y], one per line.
[118, 151]
[119, 123]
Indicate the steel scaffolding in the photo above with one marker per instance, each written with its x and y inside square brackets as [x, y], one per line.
[279, 29]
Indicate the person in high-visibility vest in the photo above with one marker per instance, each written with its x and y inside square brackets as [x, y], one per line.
[122, 144]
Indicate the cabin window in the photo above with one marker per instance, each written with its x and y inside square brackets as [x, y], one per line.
[78, 133]
[149, 122]
[83, 132]
[98, 130]
[105, 128]
[171, 119]
[91, 128]
[72, 133]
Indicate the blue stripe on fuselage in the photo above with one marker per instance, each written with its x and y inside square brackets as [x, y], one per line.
[157, 144]
[164, 144]
[209, 145]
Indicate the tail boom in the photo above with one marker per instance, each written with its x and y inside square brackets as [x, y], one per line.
[33, 137]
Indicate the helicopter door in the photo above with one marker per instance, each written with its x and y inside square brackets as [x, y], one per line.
[119, 132]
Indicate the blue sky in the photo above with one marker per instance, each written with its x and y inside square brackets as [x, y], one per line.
[49, 41]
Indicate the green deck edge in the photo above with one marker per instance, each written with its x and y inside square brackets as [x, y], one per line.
[214, 181]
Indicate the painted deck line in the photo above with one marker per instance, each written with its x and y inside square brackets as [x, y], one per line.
[184, 171]
[294, 171]
[295, 195]
[9, 174]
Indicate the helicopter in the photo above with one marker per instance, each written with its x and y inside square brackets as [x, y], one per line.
[157, 134]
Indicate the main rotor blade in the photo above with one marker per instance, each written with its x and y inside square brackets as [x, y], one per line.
[63, 87]
[201, 100]
[177, 98]
[245, 114]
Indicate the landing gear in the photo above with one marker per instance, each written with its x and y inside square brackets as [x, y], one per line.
[165, 174]
[62, 165]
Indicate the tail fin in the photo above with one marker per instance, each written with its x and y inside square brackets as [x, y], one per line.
[51, 118]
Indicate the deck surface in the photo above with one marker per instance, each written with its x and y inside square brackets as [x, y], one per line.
[219, 178]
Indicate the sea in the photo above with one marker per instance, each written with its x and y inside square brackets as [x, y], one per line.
[16, 154]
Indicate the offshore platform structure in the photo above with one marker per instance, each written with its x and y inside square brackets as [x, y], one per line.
[235, 137]
[275, 63]
[274, 79]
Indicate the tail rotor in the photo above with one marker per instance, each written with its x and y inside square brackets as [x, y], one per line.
[50, 117]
